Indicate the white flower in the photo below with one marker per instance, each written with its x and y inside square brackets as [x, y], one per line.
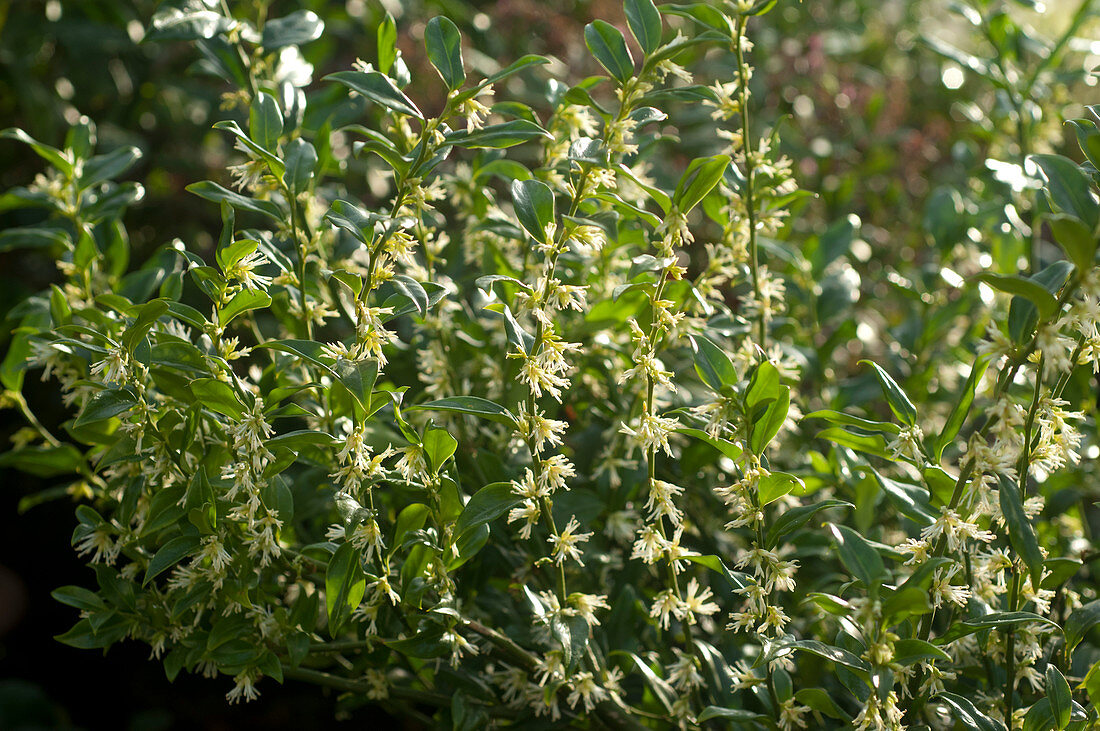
[584, 688]
[696, 602]
[907, 444]
[651, 432]
[245, 687]
[566, 544]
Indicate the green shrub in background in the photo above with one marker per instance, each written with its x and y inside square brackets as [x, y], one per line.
[490, 404]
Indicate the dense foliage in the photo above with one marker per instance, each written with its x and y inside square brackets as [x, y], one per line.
[503, 394]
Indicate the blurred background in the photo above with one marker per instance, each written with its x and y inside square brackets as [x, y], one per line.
[881, 110]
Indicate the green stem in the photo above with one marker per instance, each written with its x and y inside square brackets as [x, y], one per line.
[750, 176]
[1010, 649]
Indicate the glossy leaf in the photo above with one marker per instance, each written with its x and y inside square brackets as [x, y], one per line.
[301, 164]
[1079, 622]
[345, 584]
[301, 26]
[858, 556]
[645, 23]
[486, 505]
[1021, 533]
[473, 406]
[443, 43]
[899, 403]
[1069, 188]
[967, 714]
[795, 518]
[169, 555]
[534, 204]
[498, 136]
[265, 121]
[699, 179]
[607, 44]
[712, 364]
[379, 88]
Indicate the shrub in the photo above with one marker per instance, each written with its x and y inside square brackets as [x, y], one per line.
[513, 412]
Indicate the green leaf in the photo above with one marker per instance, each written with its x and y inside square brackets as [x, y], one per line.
[242, 302]
[516, 66]
[905, 602]
[149, 313]
[712, 364]
[872, 444]
[425, 644]
[1069, 188]
[311, 350]
[724, 446]
[1080, 622]
[379, 88]
[534, 204]
[301, 163]
[819, 700]
[213, 192]
[1075, 239]
[704, 14]
[175, 24]
[967, 714]
[795, 518]
[79, 597]
[218, 396]
[998, 621]
[387, 43]
[439, 446]
[358, 377]
[472, 405]
[962, 406]
[52, 155]
[1091, 683]
[764, 387]
[899, 403]
[858, 556]
[736, 579]
[1061, 699]
[265, 121]
[45, 461]
[729, 714]
[411, 518]
[498, 136]
[412, 289]
[301, 26]
[775, 486]
[345, 584]
[486, 505]
[170, 554]
[910, 652]
[1023, 287]
[607, 44]
[699, 179]
[108, 166]
[33, 238]
[843, 419]
[443, 43]
[296, 440]
[1039, 717]
[1021, 533]
[767, 426]
[107, 403]
[661, 689]
[912, 501]
[645, 23]
[829, 652]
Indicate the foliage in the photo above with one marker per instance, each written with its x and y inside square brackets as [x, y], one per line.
[545, 411]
